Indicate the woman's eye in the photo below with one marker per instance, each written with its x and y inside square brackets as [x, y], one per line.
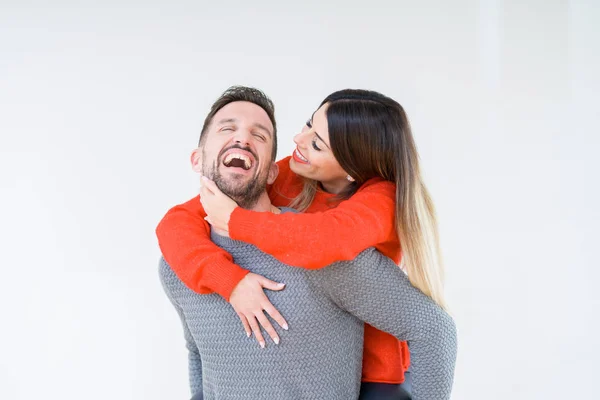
[308, 123]
[314, 144]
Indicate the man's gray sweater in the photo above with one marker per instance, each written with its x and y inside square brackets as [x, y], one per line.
[320, 356]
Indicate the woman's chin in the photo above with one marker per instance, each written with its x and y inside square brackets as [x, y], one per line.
[296, 167]
[300, 169]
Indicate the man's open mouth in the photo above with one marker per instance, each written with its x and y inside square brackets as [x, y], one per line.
[238, 160]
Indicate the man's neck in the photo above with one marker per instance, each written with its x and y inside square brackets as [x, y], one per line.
[262, 205]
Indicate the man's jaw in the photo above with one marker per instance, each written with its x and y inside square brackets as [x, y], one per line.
[244, 186]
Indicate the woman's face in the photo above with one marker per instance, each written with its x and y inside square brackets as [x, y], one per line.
[313, 157]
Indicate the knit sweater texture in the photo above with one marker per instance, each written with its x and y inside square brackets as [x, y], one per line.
[319, 357]
[328, 231]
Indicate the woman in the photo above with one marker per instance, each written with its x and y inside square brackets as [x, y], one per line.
[361, 188]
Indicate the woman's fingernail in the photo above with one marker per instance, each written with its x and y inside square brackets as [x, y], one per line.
[285, 327]
[280, 284]
[262, 345]
[276, 340]
[247, 334]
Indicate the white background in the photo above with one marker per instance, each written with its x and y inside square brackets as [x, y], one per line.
[101, 104]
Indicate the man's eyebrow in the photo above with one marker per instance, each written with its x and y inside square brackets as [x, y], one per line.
[324, 142]
[264, 128]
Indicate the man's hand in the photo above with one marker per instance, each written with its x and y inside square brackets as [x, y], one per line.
[217, 205]
[249, 302]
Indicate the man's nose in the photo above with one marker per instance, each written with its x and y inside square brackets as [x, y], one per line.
[242, 137]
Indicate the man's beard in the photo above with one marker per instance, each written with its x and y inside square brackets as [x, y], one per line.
[244, 193]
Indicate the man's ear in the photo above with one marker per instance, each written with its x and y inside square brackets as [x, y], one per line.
[196, 160]
[273, 172]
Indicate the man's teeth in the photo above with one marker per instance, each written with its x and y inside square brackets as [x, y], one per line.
[243, 157]
[300, 156]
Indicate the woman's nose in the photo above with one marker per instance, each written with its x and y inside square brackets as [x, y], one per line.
[300, 138]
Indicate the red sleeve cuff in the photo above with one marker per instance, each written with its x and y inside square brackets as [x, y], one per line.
[223, 277]
[241, 223]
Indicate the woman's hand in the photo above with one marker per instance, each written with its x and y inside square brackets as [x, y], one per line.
[249, 302]
[216, 204]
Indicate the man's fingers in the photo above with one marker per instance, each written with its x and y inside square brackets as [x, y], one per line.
[264, 321]
[256, 330]
[269, 284]
[272, 311]
[245, 323]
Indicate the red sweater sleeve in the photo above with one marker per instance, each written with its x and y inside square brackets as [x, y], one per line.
[184, 240]
[316, 240]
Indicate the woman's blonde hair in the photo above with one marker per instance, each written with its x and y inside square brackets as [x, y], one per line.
[370, 137]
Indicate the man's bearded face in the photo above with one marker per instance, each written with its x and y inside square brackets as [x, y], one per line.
[237, 151]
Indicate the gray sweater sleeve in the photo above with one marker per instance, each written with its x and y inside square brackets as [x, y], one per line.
[194, 361]
[173, 287]
[373, 288]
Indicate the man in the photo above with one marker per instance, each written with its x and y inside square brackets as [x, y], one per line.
[320, 355]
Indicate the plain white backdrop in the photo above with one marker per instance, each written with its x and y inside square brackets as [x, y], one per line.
[101, 104]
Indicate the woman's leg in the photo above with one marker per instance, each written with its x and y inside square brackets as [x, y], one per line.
[383, 391]
[407, 384]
